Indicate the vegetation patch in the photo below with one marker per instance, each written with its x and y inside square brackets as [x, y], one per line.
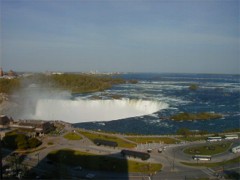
[76, 83]
[119, 141]
[193, 138]
[193, 87]
[197, 116]
[97, 162]
[143, 140]
[14, 140]
[187, 133]
[72, 136]
[210, 149]
[85, 83]
[50, 143]
[222, 163]
[9, 85]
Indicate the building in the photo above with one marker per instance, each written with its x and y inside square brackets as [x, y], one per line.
[4, 121]
[38, 127]
[1, 72]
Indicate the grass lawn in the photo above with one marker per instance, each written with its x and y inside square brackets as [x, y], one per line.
[193, 138]
[72, 136]
[121, 142]
[98, 162]
[222, 163]
[209, 149]
[165, 140]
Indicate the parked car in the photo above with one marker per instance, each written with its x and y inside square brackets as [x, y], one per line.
[90, 176]
[78, 168]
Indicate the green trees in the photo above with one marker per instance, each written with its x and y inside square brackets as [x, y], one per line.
[184, 132]
[76, 83]
[34, 142]
[81, 83]
[195, 116]
[193, 87]
[9, 85]
[20, 141]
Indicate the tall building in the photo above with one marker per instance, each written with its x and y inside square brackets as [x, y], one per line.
[1, 72]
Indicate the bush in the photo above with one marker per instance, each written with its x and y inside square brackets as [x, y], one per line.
[184, 132]
[196, 116]
[9, 141]
[193, 87]
[20, 141]
[9, 85]
[34, 142]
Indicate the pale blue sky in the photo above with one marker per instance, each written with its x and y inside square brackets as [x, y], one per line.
[188, 36]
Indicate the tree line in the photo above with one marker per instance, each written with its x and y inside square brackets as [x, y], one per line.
[76, 83]
[15, 140]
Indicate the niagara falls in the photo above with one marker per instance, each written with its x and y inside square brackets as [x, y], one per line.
[76, 111]
[145, 107]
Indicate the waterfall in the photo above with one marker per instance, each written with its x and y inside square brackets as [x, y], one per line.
[75, 111]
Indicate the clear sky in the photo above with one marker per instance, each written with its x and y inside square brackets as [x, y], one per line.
[187, 36]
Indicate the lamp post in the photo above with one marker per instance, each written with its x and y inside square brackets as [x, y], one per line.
[38, 157]
[173, 166]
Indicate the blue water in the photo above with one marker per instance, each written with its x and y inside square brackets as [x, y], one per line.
[216, 93]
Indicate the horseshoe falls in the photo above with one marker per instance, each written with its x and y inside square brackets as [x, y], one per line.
[147, 107]
[75, 111]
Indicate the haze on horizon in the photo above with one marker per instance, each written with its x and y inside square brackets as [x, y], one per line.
[120, 36]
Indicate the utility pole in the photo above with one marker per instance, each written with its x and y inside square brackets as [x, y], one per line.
[1, 168]
[173, 159]
[38, 157]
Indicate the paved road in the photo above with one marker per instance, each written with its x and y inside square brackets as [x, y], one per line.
[171, 158]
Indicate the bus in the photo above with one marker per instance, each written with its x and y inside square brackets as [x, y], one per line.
[231, 136]
[213, 139]
[236, 149]
[202, 157]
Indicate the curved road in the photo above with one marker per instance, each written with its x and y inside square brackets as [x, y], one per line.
[170, 158]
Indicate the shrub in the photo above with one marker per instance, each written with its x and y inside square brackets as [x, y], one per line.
[20, 141]
[34, 142]
[193, 87]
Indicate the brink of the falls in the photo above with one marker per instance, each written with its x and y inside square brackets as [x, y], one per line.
[76, 111]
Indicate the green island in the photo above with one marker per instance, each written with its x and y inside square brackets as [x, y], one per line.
[192, 138]
[121, 142]
[195, 116]
[164, 140]
[210, 149]
[215, 164]
[193, 87]
[72, 136]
